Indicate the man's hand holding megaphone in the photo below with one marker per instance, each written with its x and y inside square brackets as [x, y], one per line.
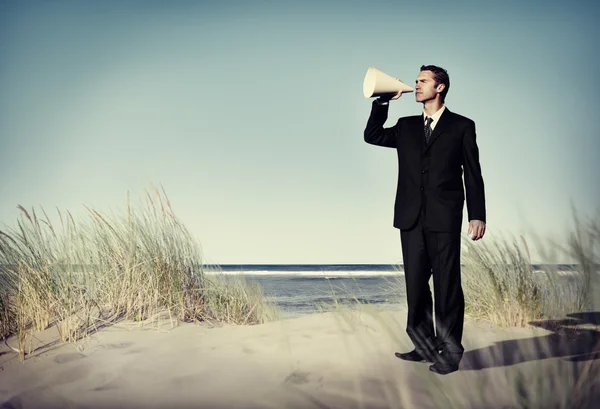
[384, 99]
[382, 86]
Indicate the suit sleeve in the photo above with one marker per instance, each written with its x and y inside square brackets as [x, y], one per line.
[375, 133]
[473, 179]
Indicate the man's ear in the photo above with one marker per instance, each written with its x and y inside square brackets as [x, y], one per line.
[440, 88]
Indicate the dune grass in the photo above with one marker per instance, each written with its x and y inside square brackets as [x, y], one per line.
[141, 265]
[79, 276]
[343, 298]
[547, 375]
[501, 285]
[502, 288]
[233, 299]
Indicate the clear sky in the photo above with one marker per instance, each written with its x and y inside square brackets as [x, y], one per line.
[251, 114]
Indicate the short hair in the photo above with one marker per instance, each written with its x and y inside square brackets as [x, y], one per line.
[440, 76]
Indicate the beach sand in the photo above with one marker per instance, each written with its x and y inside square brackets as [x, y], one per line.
[330, 360]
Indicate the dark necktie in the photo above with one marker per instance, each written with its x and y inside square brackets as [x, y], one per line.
[428, 131]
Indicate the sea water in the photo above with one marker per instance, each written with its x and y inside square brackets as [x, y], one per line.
[306, 289]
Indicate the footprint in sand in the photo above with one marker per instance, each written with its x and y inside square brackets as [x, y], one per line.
[297, 378]
[107, 381]
[68, 357]
[108, 386]
[121, 345]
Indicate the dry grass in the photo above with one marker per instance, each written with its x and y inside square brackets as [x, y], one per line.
[501, 285]
[547, 375]
[140, 265]
[232, 299]
[502, 288]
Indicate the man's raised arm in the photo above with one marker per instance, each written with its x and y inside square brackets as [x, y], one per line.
[375, 133]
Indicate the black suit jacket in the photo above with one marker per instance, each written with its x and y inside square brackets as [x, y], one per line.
[432, 176]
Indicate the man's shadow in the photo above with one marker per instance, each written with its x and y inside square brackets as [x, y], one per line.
[569, 340]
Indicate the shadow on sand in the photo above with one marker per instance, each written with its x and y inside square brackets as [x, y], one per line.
[575, 338]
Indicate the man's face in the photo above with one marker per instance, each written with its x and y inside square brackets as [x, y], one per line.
[425, 89]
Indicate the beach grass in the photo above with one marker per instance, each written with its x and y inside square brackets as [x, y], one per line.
[345, 300]
[502, 286]
[145, 267]
[499, 283]
[504, 291]
[141, 265]
[536, 372]
[232, 299]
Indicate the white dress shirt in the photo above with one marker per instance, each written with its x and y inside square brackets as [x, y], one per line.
[435, 117]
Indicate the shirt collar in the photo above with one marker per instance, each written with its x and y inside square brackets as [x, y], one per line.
[435, 116]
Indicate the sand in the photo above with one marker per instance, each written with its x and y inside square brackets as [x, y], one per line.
[328, 360]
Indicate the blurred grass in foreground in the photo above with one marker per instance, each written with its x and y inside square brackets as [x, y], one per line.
[558, 369]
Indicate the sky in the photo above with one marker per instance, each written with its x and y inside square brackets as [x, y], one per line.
[251, 115]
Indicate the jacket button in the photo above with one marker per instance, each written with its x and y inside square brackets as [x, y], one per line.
[422, 171]
[421, 189]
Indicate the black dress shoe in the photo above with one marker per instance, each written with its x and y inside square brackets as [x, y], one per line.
[414, 356]
[446, 363]
[443, 368]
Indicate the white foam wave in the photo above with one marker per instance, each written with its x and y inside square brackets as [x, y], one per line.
[311, 273]
[337, 273]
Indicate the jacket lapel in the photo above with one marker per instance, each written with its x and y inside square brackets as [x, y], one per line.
[440, 127]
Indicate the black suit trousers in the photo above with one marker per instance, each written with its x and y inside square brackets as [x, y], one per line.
[428, 253]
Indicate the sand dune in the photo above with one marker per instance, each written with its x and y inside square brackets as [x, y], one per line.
[328, 360]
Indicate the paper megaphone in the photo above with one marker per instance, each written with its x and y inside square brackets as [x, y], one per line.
[378, 83]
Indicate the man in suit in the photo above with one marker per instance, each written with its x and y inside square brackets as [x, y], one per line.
[433, 149]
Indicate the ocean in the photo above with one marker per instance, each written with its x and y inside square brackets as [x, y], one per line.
[306, 289]
[309, 288]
